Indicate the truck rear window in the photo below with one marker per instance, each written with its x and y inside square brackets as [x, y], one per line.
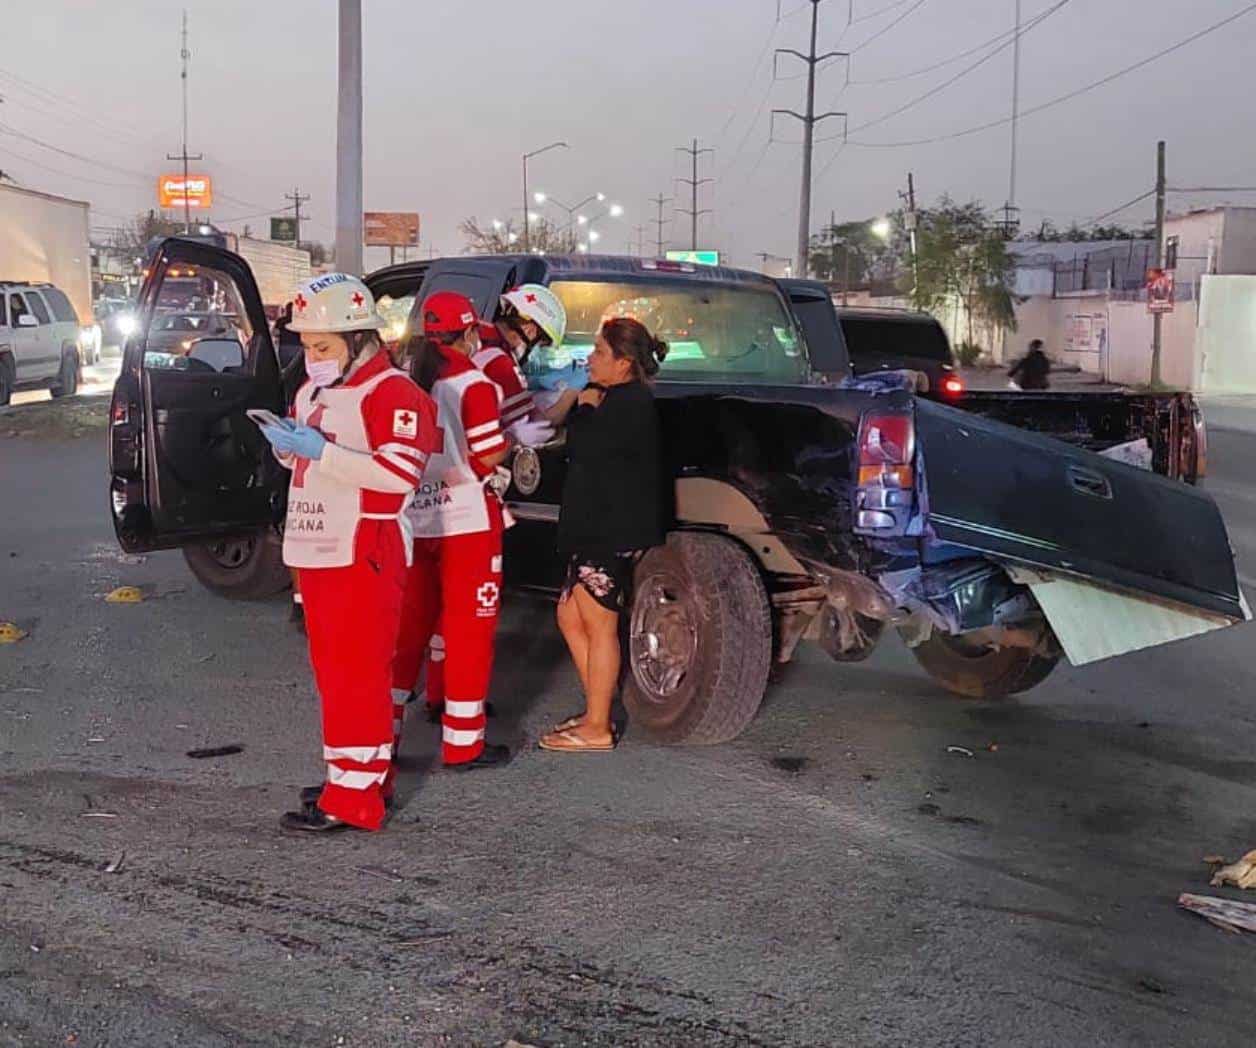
[714, 332]
[891, 337]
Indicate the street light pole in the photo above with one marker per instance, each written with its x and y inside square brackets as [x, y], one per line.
[349, 141]
[527, 236]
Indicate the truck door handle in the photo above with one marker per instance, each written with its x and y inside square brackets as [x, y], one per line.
[1088, 482]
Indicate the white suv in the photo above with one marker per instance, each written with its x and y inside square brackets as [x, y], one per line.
[39, 340]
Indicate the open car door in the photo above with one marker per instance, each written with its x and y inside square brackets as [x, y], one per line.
[813, 307]
[186, 463]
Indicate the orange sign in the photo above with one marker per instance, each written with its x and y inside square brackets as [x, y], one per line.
[171, 193]
[390, 228]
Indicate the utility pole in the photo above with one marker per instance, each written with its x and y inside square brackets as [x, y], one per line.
[809, 121]
[1011, 213]
[1157, 316]
[659, 222]
[910, 198]
[693, 183]
[185, 54]
[297, 200]
[349, 140]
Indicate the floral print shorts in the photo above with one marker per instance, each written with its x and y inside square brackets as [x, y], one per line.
[607, 579]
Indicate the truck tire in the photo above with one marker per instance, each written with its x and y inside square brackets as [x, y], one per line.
[68, 377]
[699, 641]
[985, 672]
[246, 567]
[7, 378]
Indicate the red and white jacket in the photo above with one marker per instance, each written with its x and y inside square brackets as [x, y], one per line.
[497, 362]
[452, 499]
[380, 429]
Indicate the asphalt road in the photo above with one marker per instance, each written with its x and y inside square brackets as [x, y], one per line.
[834, 877]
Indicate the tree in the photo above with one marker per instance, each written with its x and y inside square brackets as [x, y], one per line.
[961, 256]
[852, 248]
[136, 234]
[1048, 233]
[502, 238]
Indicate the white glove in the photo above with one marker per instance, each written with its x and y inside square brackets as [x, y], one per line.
[498, 481]
[530, 434]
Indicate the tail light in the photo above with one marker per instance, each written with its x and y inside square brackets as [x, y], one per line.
[887, 449]
[952, 385]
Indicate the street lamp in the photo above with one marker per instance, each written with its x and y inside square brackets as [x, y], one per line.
[616, 211]
[594, 236]
[526, 157]
[540, 198]
[879, 228]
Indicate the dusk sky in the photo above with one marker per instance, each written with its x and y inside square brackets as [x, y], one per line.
[455, 92]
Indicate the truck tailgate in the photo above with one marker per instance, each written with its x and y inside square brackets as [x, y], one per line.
[1033, 500]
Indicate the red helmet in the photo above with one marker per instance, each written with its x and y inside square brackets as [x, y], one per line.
[446, 312]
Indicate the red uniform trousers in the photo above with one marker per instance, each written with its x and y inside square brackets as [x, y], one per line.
[352, 615]
[454, 583]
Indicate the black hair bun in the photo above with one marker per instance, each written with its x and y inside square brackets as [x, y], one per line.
[659, 349]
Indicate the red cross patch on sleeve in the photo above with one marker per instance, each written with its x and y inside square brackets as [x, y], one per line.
[405, 423]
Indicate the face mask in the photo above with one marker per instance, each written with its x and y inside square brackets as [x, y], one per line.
[323, 372]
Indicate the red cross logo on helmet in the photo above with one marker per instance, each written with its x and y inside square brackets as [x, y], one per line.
[529, 298]
[300, 302]
[357, 298]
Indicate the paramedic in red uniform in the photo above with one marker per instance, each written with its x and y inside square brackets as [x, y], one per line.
[456, 577]
[357, 446]
[528, 316]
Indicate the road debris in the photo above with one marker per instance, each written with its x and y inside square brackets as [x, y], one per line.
[1241, 874]
[379, 871]
[124, 595]
[216, 751]
[10, 634]
[1226, 914]
[96, 738]
[963, 751]
[99, 815]
[116, 865]
[1151, 985]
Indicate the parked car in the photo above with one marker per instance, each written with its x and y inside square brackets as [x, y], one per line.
[39, 340]
[807, 507]
[896, 339]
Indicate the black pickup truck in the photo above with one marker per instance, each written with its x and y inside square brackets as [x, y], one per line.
[810, 504]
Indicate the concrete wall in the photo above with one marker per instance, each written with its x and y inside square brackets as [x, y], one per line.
[44, 239]
[1238, 242]
[1227, 334]
[1129, 345]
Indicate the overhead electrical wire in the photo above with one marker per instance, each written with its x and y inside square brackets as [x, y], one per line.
[1067, 96]
[885, 29]
[1128, 204]
[936, 65]
[879, 12]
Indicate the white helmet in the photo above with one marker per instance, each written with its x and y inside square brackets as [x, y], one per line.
[334, 302]
[540, 305]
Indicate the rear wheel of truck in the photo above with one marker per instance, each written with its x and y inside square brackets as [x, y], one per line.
[699, 641]
[987, 671]
[7, 370]
[247, 567]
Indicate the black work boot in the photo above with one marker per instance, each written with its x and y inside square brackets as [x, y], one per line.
[311, 794]
[297, 616]
[311, 819]
[492, 756]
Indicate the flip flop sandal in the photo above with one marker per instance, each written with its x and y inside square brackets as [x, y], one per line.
[575, 744]
[567, 723]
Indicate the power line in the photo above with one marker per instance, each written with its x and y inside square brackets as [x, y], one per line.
[936, 65]
[1108, 214]
[881, 32]
[878, 13]
[50, 96]
[1068, 96]
[1033, 24]
[1212, 189]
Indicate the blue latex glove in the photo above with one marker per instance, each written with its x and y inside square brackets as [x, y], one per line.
[303, 441]
[574, 376]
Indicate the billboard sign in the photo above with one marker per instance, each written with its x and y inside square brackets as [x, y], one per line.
[697, 258]
[283, 228]
[1159, 291]
[171, 193]
[390, 228]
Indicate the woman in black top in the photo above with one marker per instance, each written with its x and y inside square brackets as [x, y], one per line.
[612, 511]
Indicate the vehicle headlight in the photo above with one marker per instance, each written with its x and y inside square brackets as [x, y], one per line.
[126, 324]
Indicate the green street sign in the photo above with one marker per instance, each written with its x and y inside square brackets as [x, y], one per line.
[283, 229]
[697, 258]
